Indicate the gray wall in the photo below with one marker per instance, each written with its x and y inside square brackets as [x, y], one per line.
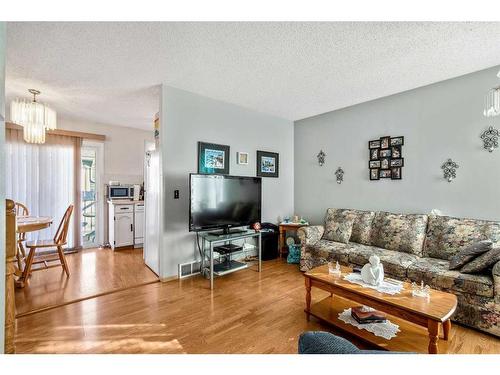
[187, 118]
[439, 121]
[2, 185]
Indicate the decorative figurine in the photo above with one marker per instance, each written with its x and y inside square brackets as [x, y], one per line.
[373, 273]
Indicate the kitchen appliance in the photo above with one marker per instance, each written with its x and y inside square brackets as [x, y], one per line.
[222, 202]
[120, 192]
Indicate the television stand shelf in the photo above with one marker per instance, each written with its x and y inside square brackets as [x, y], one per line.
[208, 244]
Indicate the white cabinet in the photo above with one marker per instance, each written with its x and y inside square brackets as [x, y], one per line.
[138, 224]
[121, 225]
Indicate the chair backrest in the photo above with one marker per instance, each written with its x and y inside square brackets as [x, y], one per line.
[21, 209]
[62, 230]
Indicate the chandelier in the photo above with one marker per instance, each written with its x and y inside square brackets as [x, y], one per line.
[34, 117]
[492, 102]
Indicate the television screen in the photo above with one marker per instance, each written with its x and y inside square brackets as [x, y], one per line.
[218, 201]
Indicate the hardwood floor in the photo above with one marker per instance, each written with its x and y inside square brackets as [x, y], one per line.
[93, 272]
[247, 312]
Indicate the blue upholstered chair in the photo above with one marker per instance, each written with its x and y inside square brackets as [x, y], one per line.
[317, 342]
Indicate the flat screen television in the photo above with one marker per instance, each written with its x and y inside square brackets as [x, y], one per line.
[222, 202]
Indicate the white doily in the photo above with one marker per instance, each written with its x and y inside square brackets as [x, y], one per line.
[386, 287]
[386, 330]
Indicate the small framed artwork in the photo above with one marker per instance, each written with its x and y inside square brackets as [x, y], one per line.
[374, 164]
[396, 152]
[397, 141]
[374, 154]
[385, 173]
[384, 164]
[397, 162]
[213, 158]
[385, 153]
[396, 173]
[374, 144]
[374, 175]
[267, 164]
[242, 158]
[385, 142]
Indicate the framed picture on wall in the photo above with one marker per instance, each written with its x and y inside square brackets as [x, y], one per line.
[374, 154]
[374, 164]
[397, 141]
[242, 158]
[385, 142]
[267, 164]
[385, 173]
[374, 175]
[213, 158]
[396, 173]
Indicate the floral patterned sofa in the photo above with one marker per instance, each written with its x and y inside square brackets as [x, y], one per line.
[412, 248]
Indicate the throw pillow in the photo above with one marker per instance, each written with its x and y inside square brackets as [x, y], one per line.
[482, 262]
[466, 254]
[338, 227]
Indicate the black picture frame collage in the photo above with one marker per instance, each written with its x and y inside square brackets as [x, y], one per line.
[386, 158]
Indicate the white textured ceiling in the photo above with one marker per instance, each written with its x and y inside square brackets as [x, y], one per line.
[110, 72]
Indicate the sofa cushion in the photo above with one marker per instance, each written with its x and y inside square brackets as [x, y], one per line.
[362, 225]
[395, 263]
[436, 273]
[483, 262]
[405, 233]
[447, 235]
[466, 254]
[331, 251]
[338, 226]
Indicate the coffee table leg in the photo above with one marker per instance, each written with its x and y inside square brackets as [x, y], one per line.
[446, 329]
[308, 297]
[433, 328]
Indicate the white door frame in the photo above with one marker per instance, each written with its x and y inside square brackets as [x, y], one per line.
[100, 194]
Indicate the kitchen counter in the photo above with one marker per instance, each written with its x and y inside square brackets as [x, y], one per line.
[124, 201]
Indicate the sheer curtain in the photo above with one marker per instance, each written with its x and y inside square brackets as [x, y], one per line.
[45, 178]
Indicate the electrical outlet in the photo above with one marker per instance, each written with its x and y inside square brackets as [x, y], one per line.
[176, 194]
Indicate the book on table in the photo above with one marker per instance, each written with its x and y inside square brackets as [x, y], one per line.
[364, 315]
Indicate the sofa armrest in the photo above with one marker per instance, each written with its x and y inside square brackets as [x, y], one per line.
[311, 234]
[496, 281]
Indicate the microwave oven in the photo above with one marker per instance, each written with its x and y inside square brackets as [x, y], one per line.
[120, 192]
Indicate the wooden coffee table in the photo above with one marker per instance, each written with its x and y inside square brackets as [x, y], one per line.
[419, 319]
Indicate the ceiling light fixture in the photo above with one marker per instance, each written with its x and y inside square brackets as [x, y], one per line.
[34, 117]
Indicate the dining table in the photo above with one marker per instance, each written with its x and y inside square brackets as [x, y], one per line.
[26, 224]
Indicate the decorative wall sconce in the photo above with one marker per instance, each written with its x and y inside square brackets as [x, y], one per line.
[490, 139]
[339, 173]
[449, 170]
[321, 158]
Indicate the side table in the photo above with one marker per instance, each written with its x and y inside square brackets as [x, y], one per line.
[284, 227]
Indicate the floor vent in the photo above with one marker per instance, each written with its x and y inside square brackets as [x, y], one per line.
[189, 269]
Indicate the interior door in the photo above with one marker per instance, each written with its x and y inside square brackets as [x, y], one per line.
[124, 229]
[152, 210]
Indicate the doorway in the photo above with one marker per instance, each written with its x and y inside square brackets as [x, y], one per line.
[92, 211]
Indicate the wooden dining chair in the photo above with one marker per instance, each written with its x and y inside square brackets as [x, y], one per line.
[21, 210]
[58, 242]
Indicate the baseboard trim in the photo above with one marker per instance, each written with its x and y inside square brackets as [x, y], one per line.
[51, 307]
[168, 279]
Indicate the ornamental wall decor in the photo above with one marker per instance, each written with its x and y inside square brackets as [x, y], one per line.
[321, 158]
[386, 158]
[339, 174]
[449, 170]
[490, 138]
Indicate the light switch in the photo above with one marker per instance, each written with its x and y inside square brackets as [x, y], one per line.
[176, 194]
